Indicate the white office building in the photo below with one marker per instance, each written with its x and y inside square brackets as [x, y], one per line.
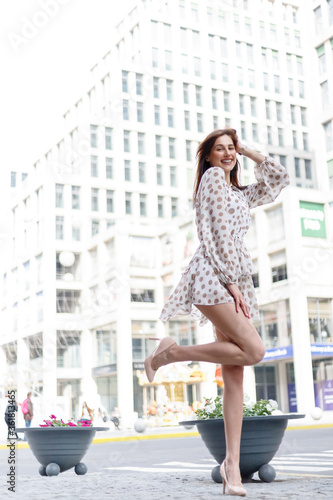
[102, 225]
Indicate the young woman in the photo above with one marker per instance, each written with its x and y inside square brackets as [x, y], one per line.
[217, 284]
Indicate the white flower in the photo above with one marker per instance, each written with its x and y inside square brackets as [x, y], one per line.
[248, 404]
[273, 403]
[210, 408]
[276, 412]
[246, 398]
[269, 407]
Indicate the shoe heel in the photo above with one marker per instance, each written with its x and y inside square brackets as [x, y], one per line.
[223, 480]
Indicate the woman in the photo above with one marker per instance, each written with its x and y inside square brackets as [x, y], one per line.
[217, 284]
[87, 413]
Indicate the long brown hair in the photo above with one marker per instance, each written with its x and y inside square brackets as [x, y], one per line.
[204, 150]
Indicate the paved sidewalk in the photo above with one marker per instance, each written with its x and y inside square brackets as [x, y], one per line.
[176, 486]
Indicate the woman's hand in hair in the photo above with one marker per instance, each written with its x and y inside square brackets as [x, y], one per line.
[240, 303]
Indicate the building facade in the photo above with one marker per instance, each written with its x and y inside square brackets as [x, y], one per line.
[102, 225]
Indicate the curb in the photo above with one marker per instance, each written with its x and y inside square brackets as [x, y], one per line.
[167, 435]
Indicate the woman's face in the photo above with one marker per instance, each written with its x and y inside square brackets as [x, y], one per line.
[223, 153]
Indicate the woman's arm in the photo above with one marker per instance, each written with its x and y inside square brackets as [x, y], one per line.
[249, 153]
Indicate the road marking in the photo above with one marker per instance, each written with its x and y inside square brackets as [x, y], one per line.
[154, 469]
[186, 464]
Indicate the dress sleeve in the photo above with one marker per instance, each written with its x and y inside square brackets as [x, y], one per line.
[272, 177]
[215, 231]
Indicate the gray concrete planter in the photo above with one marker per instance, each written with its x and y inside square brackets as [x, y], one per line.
[260, 440]
[58, 449]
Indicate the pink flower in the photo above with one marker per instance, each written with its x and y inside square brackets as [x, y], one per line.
[46, 425]
[53, 416]
[70, 424]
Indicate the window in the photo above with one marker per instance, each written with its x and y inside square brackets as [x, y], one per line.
[173, 176]
[141, 143]
[160, 206]
[59, 192]
[251, 76]
[199, 122]
[108, 138]
[171, 117]
[168, 60]
[157, 114]
[183, 38]
[277, 84]
[186, 93]
[109, 168]
[13, 179]
[185, 64]
[139, 112]
[94, 166]
[40, 308]
[188, 151]
[174, 207]
[278, 266]
[320, 320]
[198, 95]
[156, 87]
[127, 170]
[330, 12]
[158, 145]
[297, 167]
[243, 130]
[305, 141]
[226, 100]
[26, 267]
[125, 110]
[172, 149]
[267, 109]
[275, 224]
[142, 295]
[241, 104]
[138, 79]
[212, 70]
[196, 41]
[266, 81]
[143, 205]
[159, 175]
[214, 98]
[225, 73]
[169, 90]
[253, 106]
[187, 119]
[269, 134]
[76, 197]
[94, 199]
[280, 137]
[291, 86]
[283, 160]
[295, 139]
[142, 172]
[279, 111]
[94, 227]
[197, 66]
[126, 141]
[124, 81]
[93, 136]
[301, 89]
[255, 132]
[109, 201]
[76, 233]
[328, 129]
[128, 203]
[68, 301]
[155, 57]
[318, 19]
[308, 169]
[59, 227]
[240, 76]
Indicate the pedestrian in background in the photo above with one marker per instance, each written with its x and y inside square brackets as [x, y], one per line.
[27, 410]
[10, 418]
[217, 284]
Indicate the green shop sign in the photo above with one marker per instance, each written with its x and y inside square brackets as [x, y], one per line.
[312, 219]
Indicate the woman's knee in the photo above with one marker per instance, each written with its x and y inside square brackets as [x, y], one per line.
[256, 354]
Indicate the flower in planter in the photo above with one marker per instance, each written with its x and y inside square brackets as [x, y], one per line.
[214, 408]
[60, 423]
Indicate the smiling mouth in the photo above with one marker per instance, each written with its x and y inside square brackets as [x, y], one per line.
[226, 161]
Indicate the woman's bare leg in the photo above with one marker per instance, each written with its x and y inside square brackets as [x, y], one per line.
[233, 415]
[245, 346]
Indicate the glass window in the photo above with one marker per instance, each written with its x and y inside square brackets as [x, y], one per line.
[320, 320]
[109, 201]
[186, 93]
[141, 143]
[59, 192]
[169, 89]
[126, 141]
[108, 138]
[198, 95]
[94, 227]
[308, 169]
[59, 227]
[142, 295]
[214, 98]
[138, 79]
[160, 206]
[297, 167]
[275, 224]
[142, 172]
[68, 301]
[158, 145]
[223, 47]
[197, 66]
[93, 136]
[278, 266]
[76, 197]
[174, 207]
[187, 119]
[199, 122]
[94, 166]
[168, 60]
[279, 111]
[171, 122]
[225, 73]
[125, 81]
[94, 199]
[139, 111]
[188, 151]
[159, 176]
[143, 205]
[125, 110]
[157, 114]
[172, 147]
[253, 106]
[173, 176]
[156, 87]
[155, 57]
[127, 170]
[128, 203]
[109, 168]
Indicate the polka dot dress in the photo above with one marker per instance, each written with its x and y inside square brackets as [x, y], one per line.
[222, 220]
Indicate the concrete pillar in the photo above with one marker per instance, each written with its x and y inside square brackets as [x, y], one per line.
[88, 384]
[302, 352]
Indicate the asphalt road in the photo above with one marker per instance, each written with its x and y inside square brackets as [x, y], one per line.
[302, 452]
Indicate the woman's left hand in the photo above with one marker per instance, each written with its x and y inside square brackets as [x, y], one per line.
[240, 303]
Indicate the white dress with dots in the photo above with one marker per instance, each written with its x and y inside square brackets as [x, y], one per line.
[222, 220]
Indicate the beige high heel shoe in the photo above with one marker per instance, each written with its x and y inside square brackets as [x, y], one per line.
[163, 346]
[232, 490]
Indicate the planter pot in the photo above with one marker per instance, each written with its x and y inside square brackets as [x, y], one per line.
[58, 449]
[260, 440]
